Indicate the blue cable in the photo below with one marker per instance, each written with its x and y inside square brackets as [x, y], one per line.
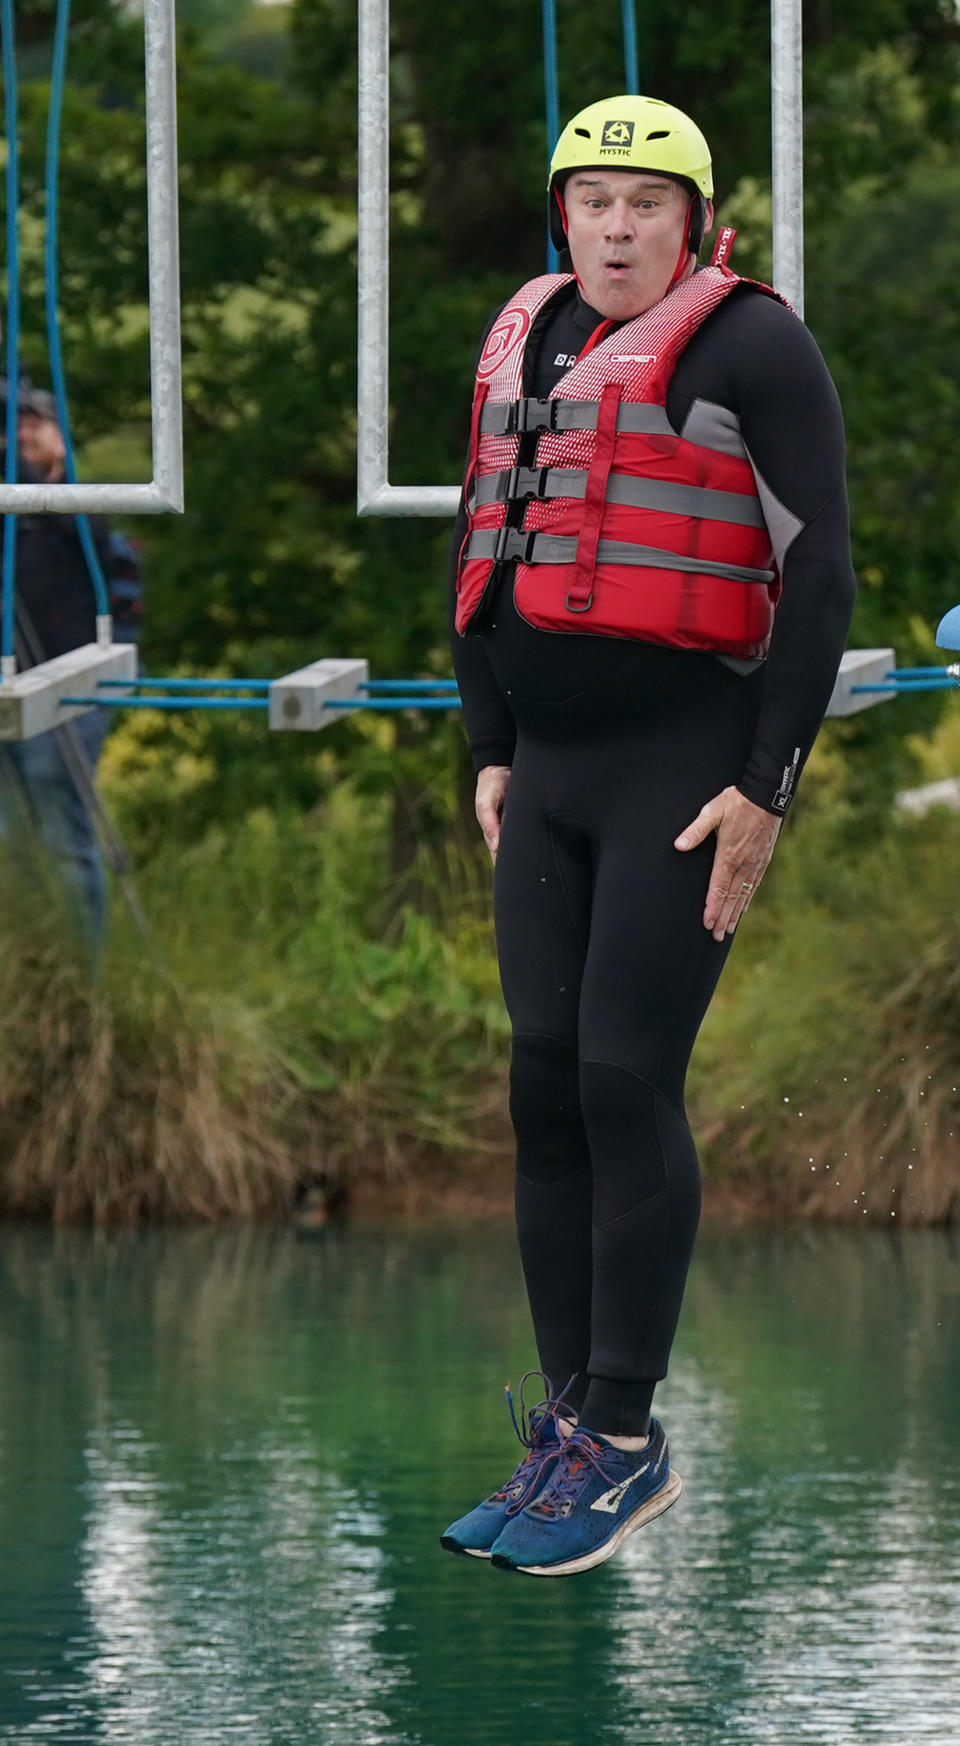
[392, 703]
[408, 685]
[552, 93]
[173, 702]
[914, 672]
[143, 683]
[58, 76]
[13, 322]
[187, 684]
[630, 57]
[260, 702]
[910, 685]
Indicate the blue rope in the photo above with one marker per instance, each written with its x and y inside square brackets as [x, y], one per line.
[910, 685]
[630, 56]
[51, 244]
[172, 702]
[914, 672]
[13, 321]
[393, 703]
[143, 683]
[408, 685]
[188, 684]
[552, 94]
[194, 702]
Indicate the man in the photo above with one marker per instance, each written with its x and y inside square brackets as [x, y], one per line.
[652, 590]
[46, 783]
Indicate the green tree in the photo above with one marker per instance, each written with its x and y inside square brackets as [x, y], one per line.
[270, 565]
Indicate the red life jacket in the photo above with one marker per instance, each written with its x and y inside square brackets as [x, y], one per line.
[628, 530]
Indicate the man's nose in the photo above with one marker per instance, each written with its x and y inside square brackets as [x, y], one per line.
[620, 219]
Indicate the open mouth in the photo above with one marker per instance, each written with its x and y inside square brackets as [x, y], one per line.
[616, 267]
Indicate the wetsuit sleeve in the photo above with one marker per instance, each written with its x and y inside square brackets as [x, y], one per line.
[488, 722]
[791, 422]
[487, 719]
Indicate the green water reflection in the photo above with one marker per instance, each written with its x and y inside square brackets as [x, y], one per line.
[225, 1458]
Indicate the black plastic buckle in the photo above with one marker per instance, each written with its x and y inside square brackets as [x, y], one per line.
[529, 415]
[514, 542]
[584, 608]
[524, 483]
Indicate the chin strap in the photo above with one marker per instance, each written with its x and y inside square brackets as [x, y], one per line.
[683, 263]
[558, 197]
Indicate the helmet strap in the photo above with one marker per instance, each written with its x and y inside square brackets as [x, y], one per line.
[563, 220]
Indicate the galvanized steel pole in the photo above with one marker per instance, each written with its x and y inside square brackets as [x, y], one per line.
[160, 41]
[373, 268]
[165, 491]
[786, 91]
[375, 496]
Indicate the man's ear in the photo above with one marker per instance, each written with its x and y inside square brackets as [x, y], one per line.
[708, 224]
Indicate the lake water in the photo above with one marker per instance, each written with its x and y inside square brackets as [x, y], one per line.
[226, 1456]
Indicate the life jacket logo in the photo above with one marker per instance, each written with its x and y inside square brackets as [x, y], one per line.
[617, 136]
[508, 332]
[723, 245]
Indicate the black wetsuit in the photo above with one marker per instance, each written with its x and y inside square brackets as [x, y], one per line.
[607, 967]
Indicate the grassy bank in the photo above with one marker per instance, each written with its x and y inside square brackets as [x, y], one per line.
[292, 1019]
[288, 1020]
[826, 1079]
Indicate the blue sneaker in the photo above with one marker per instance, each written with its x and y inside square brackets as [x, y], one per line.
[596, 1497]
[475, 1532]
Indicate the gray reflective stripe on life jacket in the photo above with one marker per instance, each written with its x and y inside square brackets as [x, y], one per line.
[541, 482]
[517, 417]
[505, 543]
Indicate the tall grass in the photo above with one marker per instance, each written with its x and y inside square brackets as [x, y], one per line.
[292, 1018]
[286, 1031]
[827, 1075]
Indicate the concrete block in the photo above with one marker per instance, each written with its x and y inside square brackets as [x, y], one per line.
[861, 667]
[297, 700]
[30, 702]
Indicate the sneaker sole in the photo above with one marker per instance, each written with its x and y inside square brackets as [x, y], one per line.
[654, 1506]
[462, 1551]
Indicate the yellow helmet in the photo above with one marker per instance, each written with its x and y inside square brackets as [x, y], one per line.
[630, 133]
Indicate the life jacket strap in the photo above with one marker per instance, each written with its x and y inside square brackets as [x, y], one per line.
[580, 594]
[527, 546]
[519, 484]
[517, 417]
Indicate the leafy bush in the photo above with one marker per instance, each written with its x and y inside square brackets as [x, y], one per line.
[827, 1073]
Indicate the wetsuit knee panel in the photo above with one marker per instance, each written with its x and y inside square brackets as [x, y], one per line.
[545, 1108]
[640, 1144]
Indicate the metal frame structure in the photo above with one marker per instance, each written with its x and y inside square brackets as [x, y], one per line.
[786, 116]
[165, 491]
[375, 494]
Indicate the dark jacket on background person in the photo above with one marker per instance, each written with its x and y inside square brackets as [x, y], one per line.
[56, 606]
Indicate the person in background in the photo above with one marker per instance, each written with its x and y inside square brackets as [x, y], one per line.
[47, 784]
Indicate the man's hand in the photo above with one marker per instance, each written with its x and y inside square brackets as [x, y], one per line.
[745, 838]
[491, 791]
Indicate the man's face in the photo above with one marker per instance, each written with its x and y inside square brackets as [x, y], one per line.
[624, 231]
[41, 444]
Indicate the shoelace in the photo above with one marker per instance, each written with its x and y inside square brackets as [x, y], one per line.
[530, 1429]
[578, 1454]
